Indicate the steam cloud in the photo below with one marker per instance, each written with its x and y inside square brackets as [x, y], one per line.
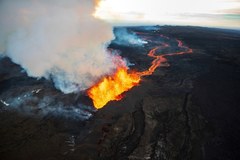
[56, 39]
[125, 37]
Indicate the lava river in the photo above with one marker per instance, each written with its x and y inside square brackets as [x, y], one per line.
[112, 87]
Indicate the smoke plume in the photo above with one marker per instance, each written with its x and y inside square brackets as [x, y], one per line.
[56, 39]
[126, 37]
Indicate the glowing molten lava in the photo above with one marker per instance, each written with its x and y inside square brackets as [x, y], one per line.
[158, 60]
[111, 87]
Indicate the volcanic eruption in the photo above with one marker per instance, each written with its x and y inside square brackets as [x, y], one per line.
[64, 42]
[111, 87]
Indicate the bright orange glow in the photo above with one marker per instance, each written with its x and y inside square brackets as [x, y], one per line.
[111, 87]
[96, 2]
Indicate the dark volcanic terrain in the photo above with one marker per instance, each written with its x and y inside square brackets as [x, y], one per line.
[187, 109]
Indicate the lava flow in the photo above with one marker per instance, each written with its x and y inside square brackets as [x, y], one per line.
[156, 62]
[112, 87]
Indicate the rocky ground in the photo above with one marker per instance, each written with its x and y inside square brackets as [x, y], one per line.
[185, 110]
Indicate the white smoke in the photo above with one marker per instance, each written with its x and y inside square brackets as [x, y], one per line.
[126, 37]
[29, 103]
[56, 39]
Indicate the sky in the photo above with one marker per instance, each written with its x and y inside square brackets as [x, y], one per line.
[214, 13]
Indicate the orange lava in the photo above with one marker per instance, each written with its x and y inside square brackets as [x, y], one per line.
[111, 87]
[158, 60]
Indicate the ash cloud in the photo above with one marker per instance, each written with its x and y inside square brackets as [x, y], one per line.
[56, 39]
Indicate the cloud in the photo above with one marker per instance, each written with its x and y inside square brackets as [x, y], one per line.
[169, 11]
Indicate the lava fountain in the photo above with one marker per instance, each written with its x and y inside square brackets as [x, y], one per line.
[112, 87]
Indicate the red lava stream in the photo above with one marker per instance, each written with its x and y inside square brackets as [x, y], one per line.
[160, 59]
